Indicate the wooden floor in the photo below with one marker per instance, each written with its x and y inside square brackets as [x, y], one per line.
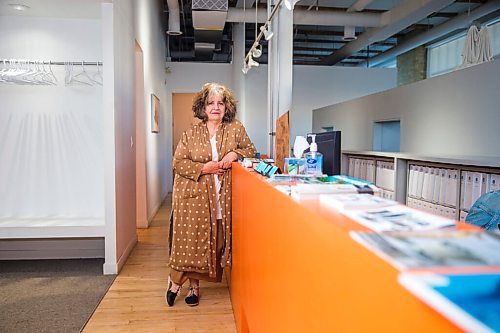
[136, 302]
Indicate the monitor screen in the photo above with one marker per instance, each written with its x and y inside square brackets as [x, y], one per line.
[329, 145]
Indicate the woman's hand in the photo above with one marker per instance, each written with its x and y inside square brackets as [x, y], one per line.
[228, 159]
[212, 167]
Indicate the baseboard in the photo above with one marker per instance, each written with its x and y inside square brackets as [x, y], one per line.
[143, 224]
[156, 209]
[108, 269]
[126, 253]
[53, 248]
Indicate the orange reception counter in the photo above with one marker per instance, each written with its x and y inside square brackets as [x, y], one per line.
[296, 269]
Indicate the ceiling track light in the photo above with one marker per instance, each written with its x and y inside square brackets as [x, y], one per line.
[245, 68]
[268, 34]
[256, 49]
[252, 63]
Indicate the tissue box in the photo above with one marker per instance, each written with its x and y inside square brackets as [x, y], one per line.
[295, 166]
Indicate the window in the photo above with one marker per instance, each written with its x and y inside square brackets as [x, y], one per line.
[386, 136]
[447, 55]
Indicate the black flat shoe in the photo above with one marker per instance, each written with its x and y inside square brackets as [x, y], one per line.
[170, 295]
[192, 298]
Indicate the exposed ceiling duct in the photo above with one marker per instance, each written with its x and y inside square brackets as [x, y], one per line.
[359, 5]
[459, 22]
[324, 32]
[209, 18]
[350, 30]
[401, 16]
[326, 17]
[174, 25]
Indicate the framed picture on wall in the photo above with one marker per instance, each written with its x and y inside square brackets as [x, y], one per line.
[155, 114]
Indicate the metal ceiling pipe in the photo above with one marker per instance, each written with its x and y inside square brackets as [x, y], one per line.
[359, 5]
[401, 16]
[460, 22]
[174, 21]
[350, 30]
[326, 17]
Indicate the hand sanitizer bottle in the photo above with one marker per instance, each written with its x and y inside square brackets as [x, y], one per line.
[314, 159]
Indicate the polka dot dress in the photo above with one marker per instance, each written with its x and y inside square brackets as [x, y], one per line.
[195, 199]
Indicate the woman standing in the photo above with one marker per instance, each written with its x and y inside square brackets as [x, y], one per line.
[201, 199]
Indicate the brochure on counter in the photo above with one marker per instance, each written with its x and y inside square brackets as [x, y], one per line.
[470, 300]
[354, 201]
[434, 248]
[397, 217]
[313, 191]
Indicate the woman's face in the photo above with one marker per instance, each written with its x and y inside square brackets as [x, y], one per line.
[215, 108]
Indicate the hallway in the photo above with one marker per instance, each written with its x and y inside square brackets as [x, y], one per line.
[135, 302]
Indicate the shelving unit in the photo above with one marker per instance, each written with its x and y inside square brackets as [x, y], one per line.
[379, 170]
[419, 181]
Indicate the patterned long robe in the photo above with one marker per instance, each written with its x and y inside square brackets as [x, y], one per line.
[194, 197]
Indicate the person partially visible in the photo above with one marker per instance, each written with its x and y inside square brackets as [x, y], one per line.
[201, 198]
[485, 212]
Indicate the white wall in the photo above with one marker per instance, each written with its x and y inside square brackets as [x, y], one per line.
[318, 86]
[452, 114]
[313, 87]
[119, 50]
[151, 38]
[51, 152]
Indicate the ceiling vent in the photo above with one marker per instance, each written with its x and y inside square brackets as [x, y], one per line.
[209, 18]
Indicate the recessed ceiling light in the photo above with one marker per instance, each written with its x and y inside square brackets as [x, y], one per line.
[18, 6]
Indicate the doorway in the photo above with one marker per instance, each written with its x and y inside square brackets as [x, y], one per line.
[182, 116]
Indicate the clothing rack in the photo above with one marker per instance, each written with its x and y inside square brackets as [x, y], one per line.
[39, 72]
[74, 63]
[57, 63]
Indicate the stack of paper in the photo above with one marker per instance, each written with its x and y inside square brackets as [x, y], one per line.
[312, 191]
[434, 248]
[398, 218]
[354, 201]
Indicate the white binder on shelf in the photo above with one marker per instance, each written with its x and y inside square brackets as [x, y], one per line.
[463, 177]
[477, 183]
[363, 167]
[451, 188]
[467, 190]
[370, 171]
[420, 181]
[392, 176]
[380, 175]
[437, 185]
[432, 183]
[351, 167]
[443, 189]
[426, 183]
[485, 183]
[411, 177]
[356, 168]
[494, 182]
